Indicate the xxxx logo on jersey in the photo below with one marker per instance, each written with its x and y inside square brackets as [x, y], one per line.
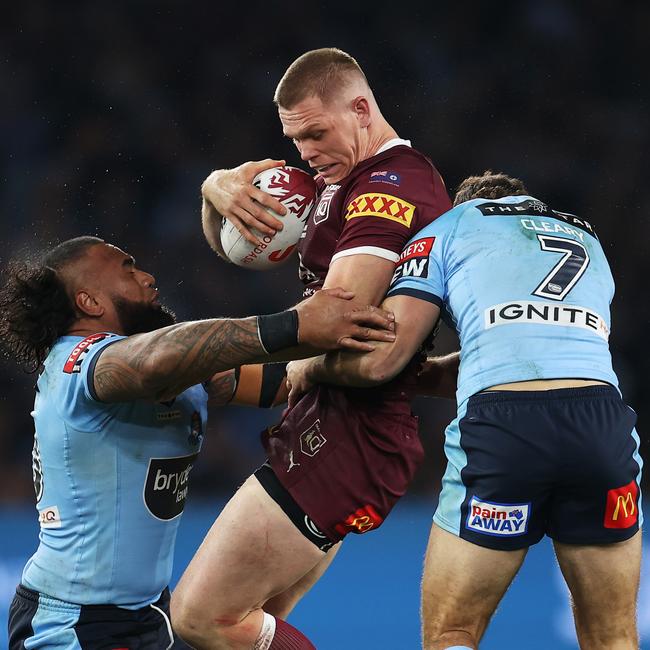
[381, 205]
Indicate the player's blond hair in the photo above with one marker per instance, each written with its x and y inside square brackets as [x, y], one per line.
[320, 73]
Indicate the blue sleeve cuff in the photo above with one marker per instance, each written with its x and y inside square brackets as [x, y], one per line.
[416, 293]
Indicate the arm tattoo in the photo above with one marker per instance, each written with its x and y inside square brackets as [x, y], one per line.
[221, 388]
[164, 363]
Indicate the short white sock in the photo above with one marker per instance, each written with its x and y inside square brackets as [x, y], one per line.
[266, 633]
[458, 647]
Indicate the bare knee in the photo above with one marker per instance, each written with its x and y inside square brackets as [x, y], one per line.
[188, 621]
[616, 631]
[202, 627]
[439, 634]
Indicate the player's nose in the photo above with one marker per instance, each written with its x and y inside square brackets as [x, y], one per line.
[147, 279]
[307, 152]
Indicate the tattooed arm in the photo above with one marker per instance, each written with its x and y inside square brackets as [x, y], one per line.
[163, 363]
[262, 385]
[221, 387]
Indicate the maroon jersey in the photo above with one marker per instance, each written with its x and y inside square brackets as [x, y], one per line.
[346, 455]
[376, 209]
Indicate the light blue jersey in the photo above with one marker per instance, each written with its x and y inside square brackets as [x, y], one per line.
[111, 482]
[528, 289]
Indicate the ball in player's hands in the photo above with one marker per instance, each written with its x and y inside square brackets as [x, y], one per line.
[296, 190]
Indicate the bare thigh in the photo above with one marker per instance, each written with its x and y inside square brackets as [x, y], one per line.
[252, 553]
[461, 587]
[282, 604]
[604, 582]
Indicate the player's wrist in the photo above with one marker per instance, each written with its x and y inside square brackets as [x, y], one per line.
[278, 331]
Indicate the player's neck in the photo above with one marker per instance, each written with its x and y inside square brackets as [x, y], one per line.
[379, 134]
[87, 327]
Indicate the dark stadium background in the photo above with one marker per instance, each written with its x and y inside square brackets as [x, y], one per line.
[111, 115]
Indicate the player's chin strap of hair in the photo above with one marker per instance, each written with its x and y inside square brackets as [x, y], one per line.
[278, 331]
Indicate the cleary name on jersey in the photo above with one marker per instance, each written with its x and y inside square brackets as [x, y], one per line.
[527, 287]
[111, 481]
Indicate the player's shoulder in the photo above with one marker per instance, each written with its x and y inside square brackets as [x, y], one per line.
[391, 165]
[69, 352]
[400, 172]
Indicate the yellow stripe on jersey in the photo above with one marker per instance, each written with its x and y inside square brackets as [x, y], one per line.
[385, 206]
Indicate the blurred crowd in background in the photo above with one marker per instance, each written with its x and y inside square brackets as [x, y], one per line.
[112, 114]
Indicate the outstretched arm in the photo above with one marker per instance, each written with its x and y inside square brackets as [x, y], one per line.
[163, 363]
[414, 320]
[263, 385]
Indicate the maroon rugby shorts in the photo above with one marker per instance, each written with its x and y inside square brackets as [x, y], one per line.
[344, 457]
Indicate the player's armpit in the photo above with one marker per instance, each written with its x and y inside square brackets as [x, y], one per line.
[368, 276]
[439, 376]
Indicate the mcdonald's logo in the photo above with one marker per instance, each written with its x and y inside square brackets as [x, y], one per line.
[360, 521]
[625, 504]
[621, 509]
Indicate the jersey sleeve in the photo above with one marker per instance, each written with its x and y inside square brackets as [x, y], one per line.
[388, 205]
[78, 403]
[421, 269]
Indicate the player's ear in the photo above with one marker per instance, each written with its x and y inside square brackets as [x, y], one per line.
[87, 304]
[361, 108]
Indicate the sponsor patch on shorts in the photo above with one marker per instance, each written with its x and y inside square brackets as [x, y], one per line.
[499, 519]
[621, 510]
[360, 521]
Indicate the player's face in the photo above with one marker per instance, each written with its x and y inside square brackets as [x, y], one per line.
[328, 136]
[127, 291]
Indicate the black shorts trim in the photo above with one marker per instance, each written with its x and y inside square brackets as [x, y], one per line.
[494, 396]
[95, 627]
[269, 481]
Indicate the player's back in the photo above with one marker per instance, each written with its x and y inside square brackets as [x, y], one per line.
[527, 287]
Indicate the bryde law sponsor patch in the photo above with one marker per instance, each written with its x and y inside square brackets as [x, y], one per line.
[166, 485]
[499, 519]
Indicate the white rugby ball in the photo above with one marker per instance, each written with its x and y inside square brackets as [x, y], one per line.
[296, 190]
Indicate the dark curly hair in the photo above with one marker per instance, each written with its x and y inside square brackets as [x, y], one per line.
[35, 309]
[490, 185]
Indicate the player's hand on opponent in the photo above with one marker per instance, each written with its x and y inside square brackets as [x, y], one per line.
[232, 194]
[298, 380]
[329, 320]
